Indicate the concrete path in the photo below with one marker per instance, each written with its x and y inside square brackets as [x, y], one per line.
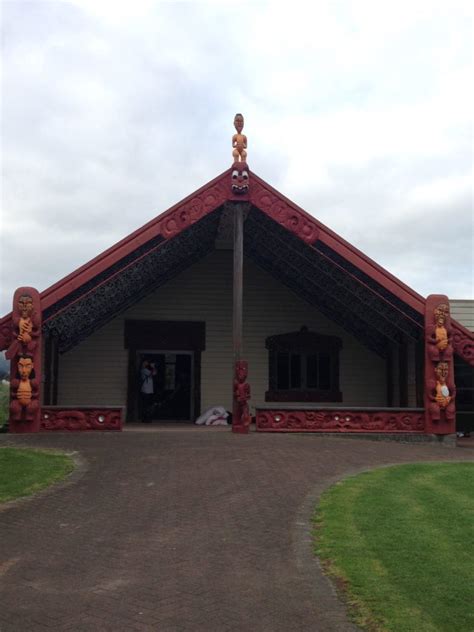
[181, 530]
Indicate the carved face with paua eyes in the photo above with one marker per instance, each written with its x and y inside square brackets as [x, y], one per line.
[441, 371]
[240, 178]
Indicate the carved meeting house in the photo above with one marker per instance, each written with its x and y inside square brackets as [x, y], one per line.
[235, 297]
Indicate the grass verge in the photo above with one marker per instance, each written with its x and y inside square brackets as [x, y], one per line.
[399, 542]
[24, 472]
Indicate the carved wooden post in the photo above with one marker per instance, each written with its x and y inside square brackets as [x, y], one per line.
[240, 189]
[440, 391]
[24, 354]
[241, 389]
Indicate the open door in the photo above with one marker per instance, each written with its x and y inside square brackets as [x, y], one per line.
[165, 386]
[174, 348]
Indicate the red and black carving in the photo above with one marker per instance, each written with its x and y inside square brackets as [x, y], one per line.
[284, 213]
[24, 401]
[240, 412]
[463, 343]
[240, 178]
[439, 334]
[26, 322]
[440, 390]
[394, 421]
[441, 395]
[78, 320]
[24, 353]
[178, 219]
[81, 419]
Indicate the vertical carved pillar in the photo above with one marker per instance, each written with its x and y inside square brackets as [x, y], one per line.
[240, 189]
[24, 354]
[240, 411]
[241, 389]
[439, 390]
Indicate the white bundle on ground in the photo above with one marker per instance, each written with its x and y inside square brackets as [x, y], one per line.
[215, 416]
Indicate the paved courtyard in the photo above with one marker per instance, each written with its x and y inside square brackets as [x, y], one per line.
[181, 530]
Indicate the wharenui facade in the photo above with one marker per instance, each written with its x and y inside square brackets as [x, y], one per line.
[235, 297]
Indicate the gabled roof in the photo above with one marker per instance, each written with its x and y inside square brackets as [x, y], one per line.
[282, 238]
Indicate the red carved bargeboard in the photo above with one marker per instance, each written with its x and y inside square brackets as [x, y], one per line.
[396, 420]
[63, 419]
[284, 212]
[192, 210]
[463, 342]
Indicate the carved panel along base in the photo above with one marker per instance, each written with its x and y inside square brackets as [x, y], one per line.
[340, 421]
[81, 419]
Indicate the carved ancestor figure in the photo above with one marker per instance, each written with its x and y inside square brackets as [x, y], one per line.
[24, 354]
[239, 140]
[24, 402]
[439, 335]
[442, 394]
[240, 178]
[241, 414]
[25, 327]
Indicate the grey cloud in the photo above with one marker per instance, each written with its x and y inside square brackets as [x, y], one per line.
[106, 125]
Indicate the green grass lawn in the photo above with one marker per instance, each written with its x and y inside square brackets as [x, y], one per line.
[399, 542]
[24, 472]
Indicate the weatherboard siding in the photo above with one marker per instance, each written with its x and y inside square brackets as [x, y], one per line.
[95, 372]
[463, 312]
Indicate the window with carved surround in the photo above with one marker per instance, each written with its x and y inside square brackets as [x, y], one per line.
[303, 367]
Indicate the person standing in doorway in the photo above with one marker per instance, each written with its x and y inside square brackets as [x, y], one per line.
[147, 390]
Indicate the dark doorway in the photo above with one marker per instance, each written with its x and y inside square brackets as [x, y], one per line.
[171, 384]
[174, 348]
[464, 378]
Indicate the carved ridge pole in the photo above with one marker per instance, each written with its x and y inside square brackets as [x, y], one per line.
[25, 358]
[239, 188]
[439, 389]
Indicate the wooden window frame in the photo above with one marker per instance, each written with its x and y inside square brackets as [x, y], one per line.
[303, 343]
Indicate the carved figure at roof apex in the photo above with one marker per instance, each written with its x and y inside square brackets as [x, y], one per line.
[240, 178]
[239, 140]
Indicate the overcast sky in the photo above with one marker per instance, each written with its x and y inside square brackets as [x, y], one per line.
[360, 112]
